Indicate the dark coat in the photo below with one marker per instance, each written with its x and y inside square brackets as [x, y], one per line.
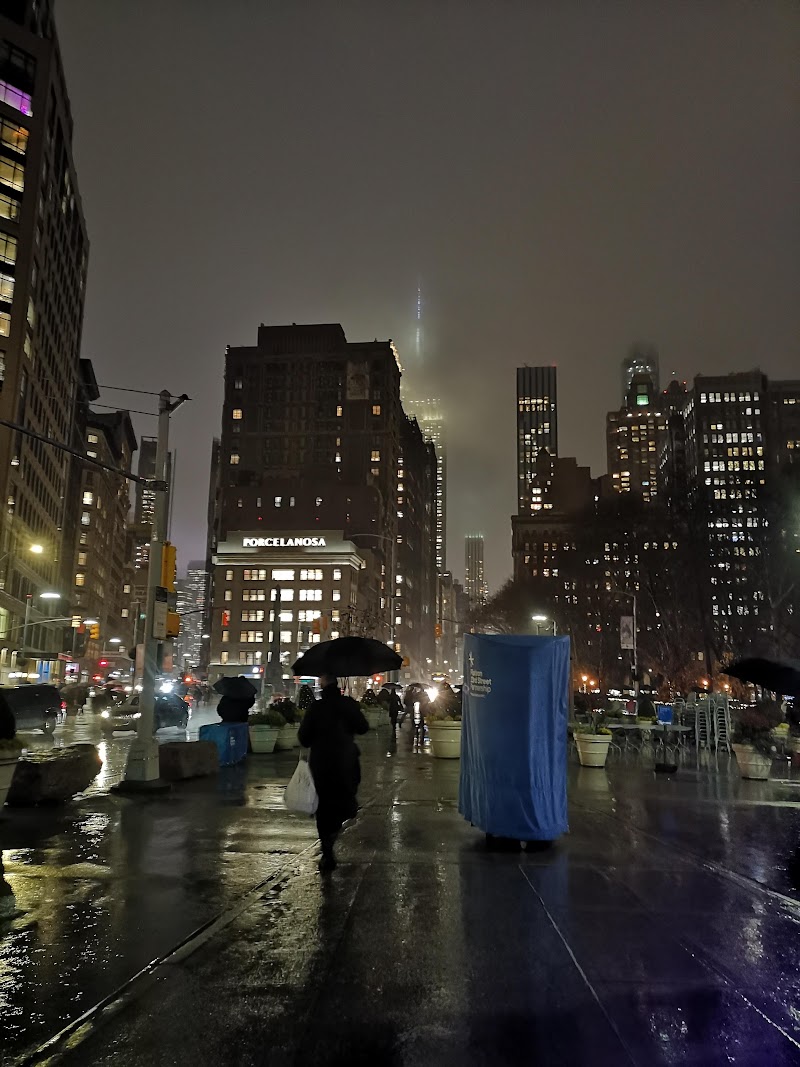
[8, 727]
[328, 730]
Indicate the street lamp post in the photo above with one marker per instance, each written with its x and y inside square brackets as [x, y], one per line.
[27, 623]
[539, 619]
[634, 650]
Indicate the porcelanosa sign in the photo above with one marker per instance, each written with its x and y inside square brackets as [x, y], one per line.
[284, 542]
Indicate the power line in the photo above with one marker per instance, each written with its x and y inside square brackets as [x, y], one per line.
[121, 389]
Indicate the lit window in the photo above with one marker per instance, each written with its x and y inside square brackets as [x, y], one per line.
[80, 578]
[15, 98]
[337, 574]
[6, 287]
[86, 519]
[125, 613]
[88, 498]
[9, 208]
[376, 455]
[339, 410]
[309, 594]
[5, 324]
[311, 574]
[14, 137]
[278, 500]
[283, 575]
[82, 558]
[237, 383]
[92, 438]
[12, 174]
[237, 413]
[234, 458]
[376, 409]
[318, 501]
[337, 595]
[8, 248]
[229, 574]
[225, 637]
[229, 594]
[126, 588]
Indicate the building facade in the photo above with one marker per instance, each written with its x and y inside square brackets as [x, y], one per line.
[634, 440]
[431, 421]
[537, 427]
[276, 593]
[43, 258]
[475, 578]
[192, 598]
[312, 440]
[101, 589]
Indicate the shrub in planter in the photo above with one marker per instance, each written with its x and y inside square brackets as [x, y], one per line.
[288, 709]
[265, 726]
[755, 724]
[271, 717]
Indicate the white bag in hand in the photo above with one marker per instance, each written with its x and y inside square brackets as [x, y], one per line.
[300, 794]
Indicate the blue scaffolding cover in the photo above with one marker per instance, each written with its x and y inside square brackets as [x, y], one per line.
[514, 735]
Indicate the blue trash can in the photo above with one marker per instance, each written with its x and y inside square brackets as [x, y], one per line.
[230, 739]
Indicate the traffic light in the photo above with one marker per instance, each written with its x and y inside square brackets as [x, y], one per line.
[169, 566]
[94, 632]
[173, 624]
[437, 630]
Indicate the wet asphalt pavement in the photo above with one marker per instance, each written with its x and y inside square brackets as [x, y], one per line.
[662, 930]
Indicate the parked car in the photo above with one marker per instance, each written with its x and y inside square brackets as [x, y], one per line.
[170, 710]
[35, 707]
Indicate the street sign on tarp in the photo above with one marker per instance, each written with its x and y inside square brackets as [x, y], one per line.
[514, 735]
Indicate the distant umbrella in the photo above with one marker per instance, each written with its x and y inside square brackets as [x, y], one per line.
[239, 688]
[348, 657]
[774, 675]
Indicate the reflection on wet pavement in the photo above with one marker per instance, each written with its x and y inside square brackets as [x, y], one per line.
[662, 929]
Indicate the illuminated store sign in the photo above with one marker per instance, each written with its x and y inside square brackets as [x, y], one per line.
[283, 542]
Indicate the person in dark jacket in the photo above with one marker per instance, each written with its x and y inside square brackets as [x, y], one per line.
[328, 730]
[8, 725]
[391, 701]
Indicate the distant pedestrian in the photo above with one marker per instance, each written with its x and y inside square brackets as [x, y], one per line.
[328, 730]
[391, 701]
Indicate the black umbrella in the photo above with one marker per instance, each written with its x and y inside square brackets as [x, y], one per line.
[778, 677]
[239, 688]
[348, 657]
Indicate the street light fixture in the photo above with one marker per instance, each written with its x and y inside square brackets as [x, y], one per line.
[50, 596]
[115, 640]
[37, 549]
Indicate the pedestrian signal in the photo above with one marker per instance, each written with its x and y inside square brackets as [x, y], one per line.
[437, 630]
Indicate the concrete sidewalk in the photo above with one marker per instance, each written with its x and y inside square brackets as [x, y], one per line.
[658, 931]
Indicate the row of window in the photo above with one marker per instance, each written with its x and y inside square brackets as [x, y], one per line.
[288, 637]
[282, 574]
[287, 595]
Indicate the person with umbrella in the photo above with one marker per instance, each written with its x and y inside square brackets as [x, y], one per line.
[328, 730]
[237, 697]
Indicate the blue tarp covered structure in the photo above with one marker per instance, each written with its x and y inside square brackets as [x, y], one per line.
[514, 735]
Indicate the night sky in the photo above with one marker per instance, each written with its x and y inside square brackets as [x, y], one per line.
[565, 178]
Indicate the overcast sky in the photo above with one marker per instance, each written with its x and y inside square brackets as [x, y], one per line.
[564, 177]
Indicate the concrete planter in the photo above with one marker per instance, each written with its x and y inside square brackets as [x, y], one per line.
[592, 749]
[263, 738]
[7, 766]
[287, 738]
[752, 764]
[445, 739]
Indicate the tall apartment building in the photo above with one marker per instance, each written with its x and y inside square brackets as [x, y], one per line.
[431, 421]
[43, 258]
[641, 362]
[192, 596]
[475, 577]
[634, 438]
[101, 579]
[307, 493]
[537, 429]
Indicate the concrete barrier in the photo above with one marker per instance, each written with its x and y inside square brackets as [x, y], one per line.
[187, 759]
[55, 776]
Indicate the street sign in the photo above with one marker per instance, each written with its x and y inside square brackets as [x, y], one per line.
[160, 620]
[626, 635]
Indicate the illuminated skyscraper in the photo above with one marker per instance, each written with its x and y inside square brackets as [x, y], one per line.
[428, 414]
[475, 584]
[641, 361]
[537, 428]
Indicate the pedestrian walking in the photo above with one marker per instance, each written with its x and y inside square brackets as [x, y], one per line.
[391, 701]
[328, 730]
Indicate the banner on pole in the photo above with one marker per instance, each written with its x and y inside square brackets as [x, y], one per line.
[626, 639]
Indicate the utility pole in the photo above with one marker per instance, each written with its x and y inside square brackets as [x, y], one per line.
[141, 773]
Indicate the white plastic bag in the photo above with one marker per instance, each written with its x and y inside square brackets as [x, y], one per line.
[300, 794]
